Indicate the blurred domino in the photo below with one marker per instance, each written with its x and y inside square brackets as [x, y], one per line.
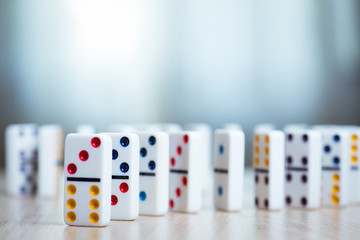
[303, 168]
[85, 129]
[125, 176]
[354, 176]
[117, 128]
[233, 126]
[263, 127]
[51, 141]
[87, 186]
[229, 169]
[185, 174]
[154, 173]
[21, 158]
[269, 169]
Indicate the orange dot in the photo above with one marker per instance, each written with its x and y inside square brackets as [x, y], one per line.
[335, 189]
[336, 177]
[94, 204]
[94, 217]
[256, 149]
[354, 159]
[71, 203]
[354, 148]
[266, 162]
[94, 190]
[71, 189]
[71, 217]
[266, 151]
[354, 137]
[335, 200]
[256, 161]
[256, 138]
[267, 139]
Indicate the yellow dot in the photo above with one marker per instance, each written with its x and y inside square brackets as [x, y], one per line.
[354, 159]
[266, 151]
[71, 216]
[94, 204]
[71, 189]
[335, 189]
[94, 217]
[256, 149]
[266, 139]
[354, 148]
[94, 190]
[336, 177]
[266, 162]
[354, 138]
[335, 200]
[256, 161]
[71, 203]
[256, 138]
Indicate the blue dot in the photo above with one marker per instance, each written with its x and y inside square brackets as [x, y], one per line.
[142, 196]
[114, 154]
[220, 191]
[124, 167]
[152, 140]
[124, 141]
[221, 149]
[336, 160]
[327, 149]
[143, 152]
[152, 165]
[336, 138]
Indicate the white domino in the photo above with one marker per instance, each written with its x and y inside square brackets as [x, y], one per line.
[21, 158]
[125, 176]
[303, 168]
[85, 129]
[154, 173]
[185, 174]
[51, 145]
[229, 152]
[269, 167]
[87, 179]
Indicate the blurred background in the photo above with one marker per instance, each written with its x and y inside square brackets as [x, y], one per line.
[217, 61]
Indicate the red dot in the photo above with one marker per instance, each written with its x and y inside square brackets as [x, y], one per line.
[171, 203]
[114, 200]
[124, 187]
[83, 155]
[178, 192]
[186, 139]
[172, 161]
[71, 168]
[184, 181]
[179, 150]
[95, 142]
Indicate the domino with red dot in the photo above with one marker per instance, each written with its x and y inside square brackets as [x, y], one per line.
[229, 150]
[269, 166]
[87, 179]
[185, 176]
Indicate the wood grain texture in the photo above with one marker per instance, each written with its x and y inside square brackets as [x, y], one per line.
[41, 218]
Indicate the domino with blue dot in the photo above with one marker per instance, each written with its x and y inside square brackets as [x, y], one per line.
[229, 152]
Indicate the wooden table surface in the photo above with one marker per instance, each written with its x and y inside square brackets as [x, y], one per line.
[40, 218]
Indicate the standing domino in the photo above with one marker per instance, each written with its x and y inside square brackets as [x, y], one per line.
[269, 169]
[229, 148]
[185, 175]
[125, 176]
[21, 158]
[154, 173]
[51, 141]
[303, 168]
[87, 186]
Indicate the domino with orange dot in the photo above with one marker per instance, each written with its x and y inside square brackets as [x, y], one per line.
[269, 169]
[185, 175]
[87, 179]
[354, 176]
[229, 149]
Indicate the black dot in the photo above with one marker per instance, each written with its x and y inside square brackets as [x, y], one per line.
[152, 140]
[289, 159]
[290, 137]
[266, 203]
[288, 177]
[124, 167]
[303, 201]
[114, 154]
[336, 160]
[266, 180]
[143, 152]
[305, 137]
[288, 200]
[152, 165]
[256, 201]
[256, 178]
[327, 149]
[124, 141]
[304, 178]
[336, 138]
[304, 160]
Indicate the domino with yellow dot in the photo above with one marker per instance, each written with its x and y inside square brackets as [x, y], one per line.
[269, 169]
[87, 193]
[354, 183]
